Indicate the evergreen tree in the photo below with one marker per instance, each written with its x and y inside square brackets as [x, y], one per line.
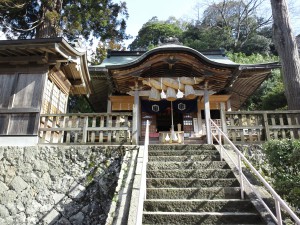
[24, 19]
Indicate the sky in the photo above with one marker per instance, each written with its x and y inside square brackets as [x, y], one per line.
[140, 11]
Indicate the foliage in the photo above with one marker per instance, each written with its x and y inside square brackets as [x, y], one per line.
[242, 58]
[231, 24]
[154, 32]
[101, 51]
[257, 44]
[202, 38]
[42, 18]
[284, 157]
[79, 104]
[270, 95]
[240, 18]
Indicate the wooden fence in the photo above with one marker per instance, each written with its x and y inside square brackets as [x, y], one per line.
[86, 128]
[116, 128]
[259, 126]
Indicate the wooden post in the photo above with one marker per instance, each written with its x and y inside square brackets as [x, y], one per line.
[223, 118]
[199, 117]
[109, 124]
[289, 120]
[109, 106]
[136, 105]
[207, 116]
[93, 133]
[268, 137]
[118, 127]
[228, 105]
[84, 130]
[102, 119]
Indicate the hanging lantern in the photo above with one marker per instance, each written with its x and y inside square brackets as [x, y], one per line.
[171, 94]
[154, 95]
[189, 92]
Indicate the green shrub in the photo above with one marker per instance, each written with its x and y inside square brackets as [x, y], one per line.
[284, 158]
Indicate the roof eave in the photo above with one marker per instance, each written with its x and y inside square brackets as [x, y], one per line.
[171, 49]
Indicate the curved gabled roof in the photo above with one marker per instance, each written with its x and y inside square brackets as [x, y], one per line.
[214, 57]
[216, 70]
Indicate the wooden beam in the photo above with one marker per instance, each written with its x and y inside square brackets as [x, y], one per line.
[24, 59]
[122, 99]
[77, 82]
[58, 77]
[19, 110]
[218, 98]
[146, 93]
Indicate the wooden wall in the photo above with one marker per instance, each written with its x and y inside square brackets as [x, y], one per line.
[121, 103]
[20, 102]
[55, 99]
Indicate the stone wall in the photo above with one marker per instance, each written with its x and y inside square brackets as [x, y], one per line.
[58, 185]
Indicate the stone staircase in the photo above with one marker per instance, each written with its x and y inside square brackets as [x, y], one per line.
[188, 184]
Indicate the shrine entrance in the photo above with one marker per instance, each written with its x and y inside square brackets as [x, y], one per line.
[164, 120]
[160, 114]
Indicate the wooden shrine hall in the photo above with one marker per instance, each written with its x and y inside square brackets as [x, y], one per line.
[176, 88]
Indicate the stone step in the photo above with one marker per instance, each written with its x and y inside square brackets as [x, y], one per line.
[210, 224]
[205, 224]
[181, 147]
[188, 218]
[191, 173]
[191, 158]
[198, 205]
[187, 165]
[194, 193]
[182, 152]
[191, 182]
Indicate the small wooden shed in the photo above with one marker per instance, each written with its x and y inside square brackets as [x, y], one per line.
[37, 76]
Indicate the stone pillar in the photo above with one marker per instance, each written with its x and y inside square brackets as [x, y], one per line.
[135, 118]
[207, 116]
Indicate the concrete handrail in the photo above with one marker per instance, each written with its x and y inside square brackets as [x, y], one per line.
[279, 202]
[142, 195]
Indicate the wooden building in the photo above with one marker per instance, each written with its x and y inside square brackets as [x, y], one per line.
[175, 87]
[37, 76]
[159, 85]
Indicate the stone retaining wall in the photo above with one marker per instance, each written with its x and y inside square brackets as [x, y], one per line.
[58, 185]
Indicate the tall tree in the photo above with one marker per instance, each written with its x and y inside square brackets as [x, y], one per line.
[287, 49]
[201, 37]
[68, 18]
[238, 16]
[155, 31]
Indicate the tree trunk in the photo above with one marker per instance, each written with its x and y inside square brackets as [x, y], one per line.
[285, 43]
[50, 20]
